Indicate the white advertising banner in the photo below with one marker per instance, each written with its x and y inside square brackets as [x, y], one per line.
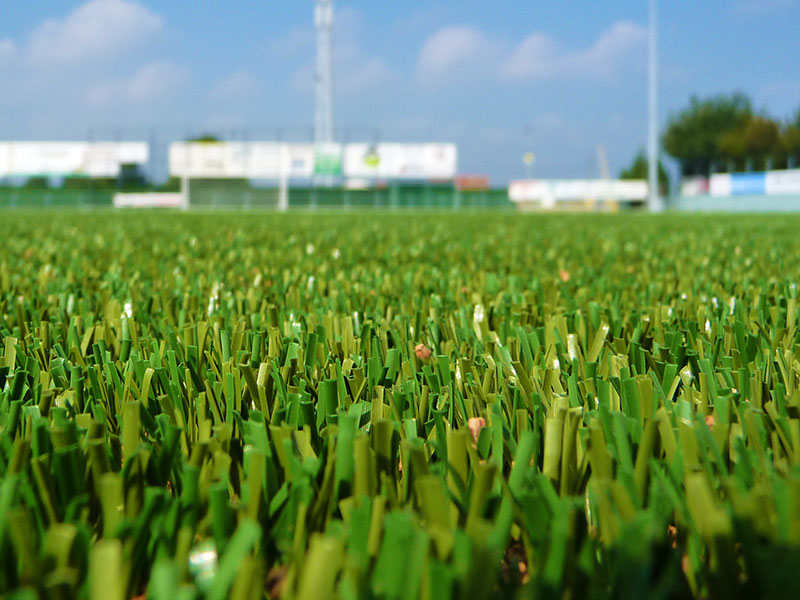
[270, 160]
[550, 191]
[401, 161]
[86, 159]
[694, 186]
[783, 182]
[719, 184]
[249, 160]
[150, 200]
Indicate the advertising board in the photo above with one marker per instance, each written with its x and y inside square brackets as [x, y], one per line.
[549, 191]
[401, 161]
[719, 184]
[150, 200]
[694, 186]
[81, 159]
[328, 160]
[748, 184]
[470, 182]
[759, 183]
[783, 182]
[274, 159]
[249, 160]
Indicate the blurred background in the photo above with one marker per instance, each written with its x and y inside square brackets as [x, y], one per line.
[520, 103]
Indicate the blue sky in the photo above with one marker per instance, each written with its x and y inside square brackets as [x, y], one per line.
[479, 73]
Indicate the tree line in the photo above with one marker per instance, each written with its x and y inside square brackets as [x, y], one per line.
[724, 133]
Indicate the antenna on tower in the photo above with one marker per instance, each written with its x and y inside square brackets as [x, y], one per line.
[323, 117]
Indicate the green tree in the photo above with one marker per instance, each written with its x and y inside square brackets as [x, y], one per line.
[790, 142]
[638, 170]
[757, 139]
[206, 137]
[693, 135]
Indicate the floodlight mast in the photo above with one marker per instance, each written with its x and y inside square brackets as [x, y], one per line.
[323, 118]
[653, 198]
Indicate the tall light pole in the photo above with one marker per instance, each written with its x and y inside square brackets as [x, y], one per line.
[653, 199]
[323, 117]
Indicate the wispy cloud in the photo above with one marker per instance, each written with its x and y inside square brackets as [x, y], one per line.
[462, 52]
[363, 74]
[7, 49]
[534, 58]
[452, 52]
[538, 57]
[95, 56]
[97, 30]
[152, 81]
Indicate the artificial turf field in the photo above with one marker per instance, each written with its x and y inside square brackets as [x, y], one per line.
[431, 405]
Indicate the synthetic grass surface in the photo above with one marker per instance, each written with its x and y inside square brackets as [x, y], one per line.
[398, 406]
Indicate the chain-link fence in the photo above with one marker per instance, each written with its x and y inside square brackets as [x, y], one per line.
[222, 193]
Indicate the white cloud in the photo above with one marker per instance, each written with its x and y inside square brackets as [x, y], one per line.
[93, 57]
[612, 47]
[152, 81]
[452, 49]
[537, 56]
[363, 75]
[7, 47]
[97, 29]
[7, 53]
[356, 72]
[533, 58]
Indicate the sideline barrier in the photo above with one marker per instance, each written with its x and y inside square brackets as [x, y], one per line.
[593, 193]
[736, 204]
[150, 200]
[769, 183]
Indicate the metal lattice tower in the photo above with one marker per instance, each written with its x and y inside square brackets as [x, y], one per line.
[323, 118]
